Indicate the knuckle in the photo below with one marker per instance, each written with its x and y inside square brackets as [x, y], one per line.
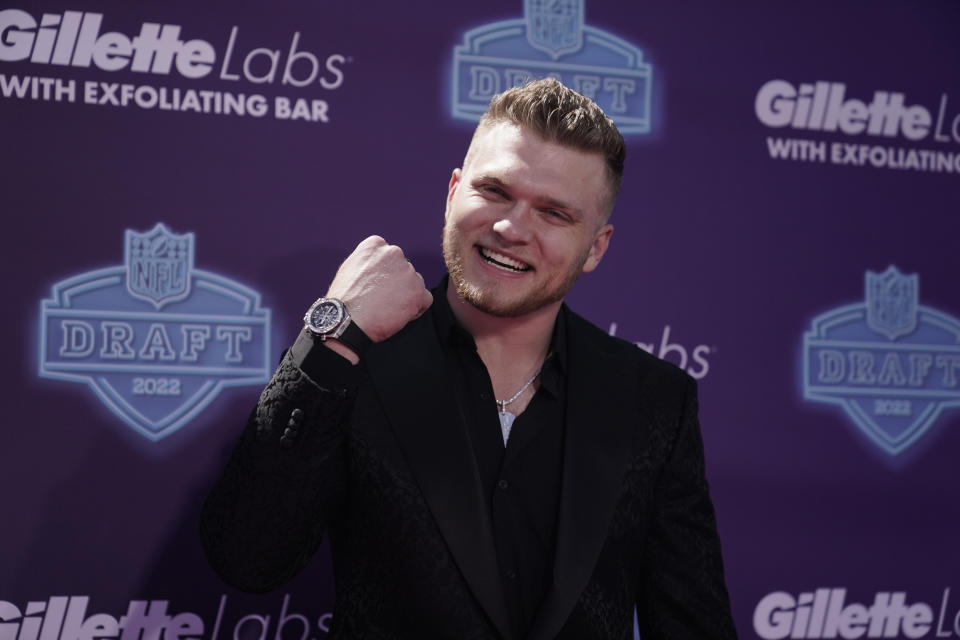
[371, 243]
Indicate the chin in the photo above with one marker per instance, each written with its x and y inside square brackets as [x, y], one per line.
[490, 297]
[496, 303]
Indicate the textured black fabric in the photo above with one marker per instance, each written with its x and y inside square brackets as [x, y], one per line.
[521, 481]
[402, 501]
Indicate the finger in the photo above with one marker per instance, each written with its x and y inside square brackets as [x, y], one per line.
[423, 303]
[393, 254]
[372, 241]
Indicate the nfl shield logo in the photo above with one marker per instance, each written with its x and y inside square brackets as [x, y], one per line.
[892, 302]
[159, 264]
[889, 389]
[155, 369]
[555, 26]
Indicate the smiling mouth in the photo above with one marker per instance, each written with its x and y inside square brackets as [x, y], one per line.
[503, 262]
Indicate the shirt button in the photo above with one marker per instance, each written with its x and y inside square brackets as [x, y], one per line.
[484, 395]
[512, 575]
[503, 484]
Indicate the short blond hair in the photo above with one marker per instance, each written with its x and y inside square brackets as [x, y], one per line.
[559, 114]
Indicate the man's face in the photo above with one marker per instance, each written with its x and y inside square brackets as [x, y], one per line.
[524, 218]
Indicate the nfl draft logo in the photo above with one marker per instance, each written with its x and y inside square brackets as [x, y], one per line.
[554, 26]
[154, 338]
[552, 40]
[891, 363]
[892, 303]
[158, 265]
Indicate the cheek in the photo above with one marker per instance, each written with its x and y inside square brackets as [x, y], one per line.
[556, 254]
[563, 245]
[453, 206]
[471, 218]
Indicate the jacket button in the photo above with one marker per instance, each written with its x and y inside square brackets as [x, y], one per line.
[296, 415]
[503, 484]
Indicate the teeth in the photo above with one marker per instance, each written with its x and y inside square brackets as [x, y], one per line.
[500, 260]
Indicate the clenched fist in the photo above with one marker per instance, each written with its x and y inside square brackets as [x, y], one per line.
[380, 288]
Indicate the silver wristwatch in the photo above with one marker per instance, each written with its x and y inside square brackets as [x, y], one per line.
[328, 319]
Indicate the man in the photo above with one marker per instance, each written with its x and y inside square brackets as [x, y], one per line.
[493, 466]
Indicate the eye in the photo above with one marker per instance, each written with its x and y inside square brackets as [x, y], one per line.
[492, 189]
[555, 215]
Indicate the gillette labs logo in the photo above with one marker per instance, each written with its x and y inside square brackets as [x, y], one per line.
[76, 39]
[826, 613]
[824, 106]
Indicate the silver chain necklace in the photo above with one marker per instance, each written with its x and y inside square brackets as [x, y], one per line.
[507, 417]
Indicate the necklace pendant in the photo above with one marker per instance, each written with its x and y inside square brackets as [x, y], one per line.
[506, 417]
[506, 423]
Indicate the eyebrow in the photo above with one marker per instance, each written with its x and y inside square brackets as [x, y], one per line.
[545, 201]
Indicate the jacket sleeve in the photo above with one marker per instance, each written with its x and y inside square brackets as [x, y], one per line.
[284, 481]
[683, 594]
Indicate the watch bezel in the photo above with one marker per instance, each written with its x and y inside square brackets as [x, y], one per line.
[335, 326]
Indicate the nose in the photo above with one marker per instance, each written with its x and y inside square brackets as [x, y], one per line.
[514, 226]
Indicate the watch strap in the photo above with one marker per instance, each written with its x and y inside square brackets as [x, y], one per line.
[306, 354]
[325, 367]
[354, 337]
[313, 358]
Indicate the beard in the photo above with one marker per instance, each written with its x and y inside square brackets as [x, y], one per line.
[492, 298]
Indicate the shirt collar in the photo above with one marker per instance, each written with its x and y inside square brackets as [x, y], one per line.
[452, 334]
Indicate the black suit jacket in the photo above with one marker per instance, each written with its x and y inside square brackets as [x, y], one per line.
[387, 469]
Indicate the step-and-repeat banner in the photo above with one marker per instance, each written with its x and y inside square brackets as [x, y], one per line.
[181, 180]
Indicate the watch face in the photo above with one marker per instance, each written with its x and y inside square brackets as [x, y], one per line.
[325, 316]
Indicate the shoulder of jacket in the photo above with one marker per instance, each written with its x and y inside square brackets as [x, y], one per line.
[649, 366]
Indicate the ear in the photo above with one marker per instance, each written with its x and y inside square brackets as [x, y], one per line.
[601, 240]
[452, 188]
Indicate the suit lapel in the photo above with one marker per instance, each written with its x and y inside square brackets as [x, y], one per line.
[597, 447]
[410, 376]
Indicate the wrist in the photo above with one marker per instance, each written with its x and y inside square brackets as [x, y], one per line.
[341, 349]
[322, 363]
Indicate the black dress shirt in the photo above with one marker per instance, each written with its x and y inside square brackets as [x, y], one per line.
[521, 481]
